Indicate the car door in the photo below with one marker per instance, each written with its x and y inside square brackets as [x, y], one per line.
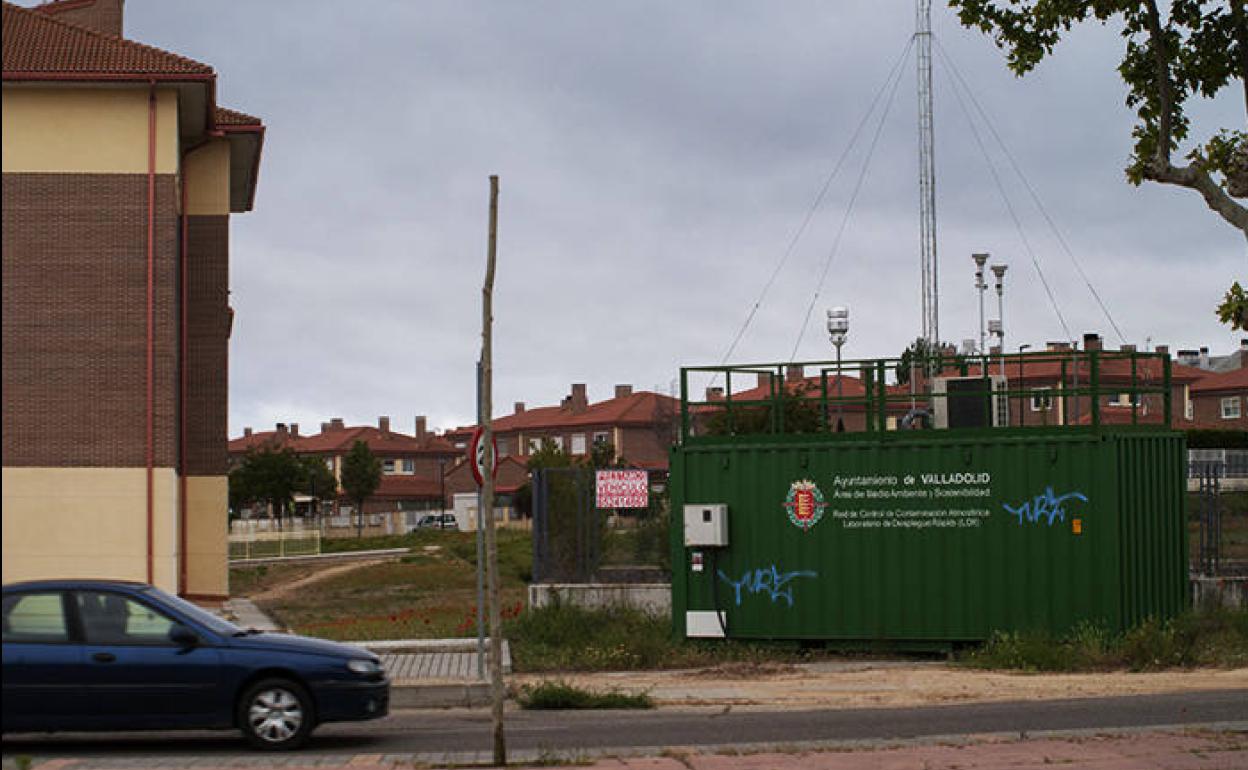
[136, 676]
[40, 664]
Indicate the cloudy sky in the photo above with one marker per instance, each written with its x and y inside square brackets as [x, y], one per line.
[656, 159]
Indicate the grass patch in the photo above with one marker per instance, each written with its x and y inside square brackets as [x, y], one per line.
[561, 695]
[562, 637]
[428, 594]
[1211, 637]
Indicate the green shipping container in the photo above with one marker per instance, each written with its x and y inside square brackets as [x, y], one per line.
[929, 536]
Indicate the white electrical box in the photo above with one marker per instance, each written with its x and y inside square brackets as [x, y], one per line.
[701, 624]
[706, 524]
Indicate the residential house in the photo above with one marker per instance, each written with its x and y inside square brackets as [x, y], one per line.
[121, 172]
[1220, 401]
[641, 426]
[413, 468]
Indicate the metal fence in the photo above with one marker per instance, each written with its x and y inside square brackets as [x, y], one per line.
[576, 542]
[269, 545]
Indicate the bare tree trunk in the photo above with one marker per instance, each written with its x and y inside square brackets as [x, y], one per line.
[487, 486]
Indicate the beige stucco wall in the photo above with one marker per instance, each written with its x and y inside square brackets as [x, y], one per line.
[88, 522]
[208, 179]
[207, 557]
[86, 130]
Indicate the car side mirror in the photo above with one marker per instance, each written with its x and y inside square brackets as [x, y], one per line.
[183, 636]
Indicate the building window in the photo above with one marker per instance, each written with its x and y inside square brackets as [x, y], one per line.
[503, 447]
[1041, 399]
[387, 466]
[409, 465]
[1125, 399]
[578, 443]
[535, 443]
[1230, 408]
[1189, 410]
[602, 437]
[329, 463]
[557, 441]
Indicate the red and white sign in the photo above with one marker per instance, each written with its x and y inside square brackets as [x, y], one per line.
[623, 489]
[477, 452]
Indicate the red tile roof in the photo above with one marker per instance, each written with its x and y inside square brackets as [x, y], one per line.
[640, 408]
[340, 441]
[1048, 367]
[1234, 380]
[228, 117]
[812, 388]
[395, 486]
[41, 44]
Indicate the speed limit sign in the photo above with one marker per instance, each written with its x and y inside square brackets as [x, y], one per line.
[477, 451]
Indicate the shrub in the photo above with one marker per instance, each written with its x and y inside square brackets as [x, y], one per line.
[561, 695]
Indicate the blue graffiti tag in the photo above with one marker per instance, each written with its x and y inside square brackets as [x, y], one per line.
[1045, 506]
[769, 582]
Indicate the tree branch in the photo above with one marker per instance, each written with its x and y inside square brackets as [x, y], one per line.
[1161, 67]
[1196, 178]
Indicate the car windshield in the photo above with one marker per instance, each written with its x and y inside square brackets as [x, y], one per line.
[195, 612]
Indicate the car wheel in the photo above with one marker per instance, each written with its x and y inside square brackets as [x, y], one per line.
[276, 714]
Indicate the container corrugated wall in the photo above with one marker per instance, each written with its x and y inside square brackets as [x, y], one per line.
[907, 539]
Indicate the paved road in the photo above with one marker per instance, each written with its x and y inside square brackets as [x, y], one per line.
[450, 733]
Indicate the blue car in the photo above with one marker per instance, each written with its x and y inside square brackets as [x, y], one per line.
[112, 655]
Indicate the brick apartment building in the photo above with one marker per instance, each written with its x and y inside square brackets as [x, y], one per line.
[640, 425]
[120, 173]
[413, 466]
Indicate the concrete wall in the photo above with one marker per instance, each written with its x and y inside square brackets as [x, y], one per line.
[651, 597]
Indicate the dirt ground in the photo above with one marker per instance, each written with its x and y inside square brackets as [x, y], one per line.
[868, 684]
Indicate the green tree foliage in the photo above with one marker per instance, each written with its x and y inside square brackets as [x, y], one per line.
[800, 408]
[361, 475]
[1172, 55]
[267, 475]
[1234, 308]
[318, 480]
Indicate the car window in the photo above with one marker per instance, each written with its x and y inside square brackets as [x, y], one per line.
[34, 617]
[109, 618]
[195, 612]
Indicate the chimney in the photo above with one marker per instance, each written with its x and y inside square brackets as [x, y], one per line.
[715, 394]
[1091, 341]
[294, 429]
[794, 373]
[519, 407]
[1243, 345]
[1125, 348]
[246, 432]
[1163, 350]
[421, 428]
[580, 402]
[102, 15]
[994, 350]
[281, 429]
[383, 425]
[1056, 347]
[324, 427]
[1204, 357]
[623, 391]
[764, 380]
[337, 424]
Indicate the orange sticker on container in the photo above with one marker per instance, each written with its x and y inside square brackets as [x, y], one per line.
[1076, 526]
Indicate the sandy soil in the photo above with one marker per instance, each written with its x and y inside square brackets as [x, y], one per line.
[863, 684]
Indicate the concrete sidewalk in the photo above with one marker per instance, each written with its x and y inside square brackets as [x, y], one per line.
[1189, 749]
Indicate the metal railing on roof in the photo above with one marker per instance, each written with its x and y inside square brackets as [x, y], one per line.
[1053, 389]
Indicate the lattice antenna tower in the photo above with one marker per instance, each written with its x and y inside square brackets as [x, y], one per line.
[927, 176]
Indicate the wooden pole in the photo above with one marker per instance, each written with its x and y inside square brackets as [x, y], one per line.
[487, 487]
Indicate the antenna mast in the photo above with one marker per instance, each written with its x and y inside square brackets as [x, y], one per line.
[927, 175]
